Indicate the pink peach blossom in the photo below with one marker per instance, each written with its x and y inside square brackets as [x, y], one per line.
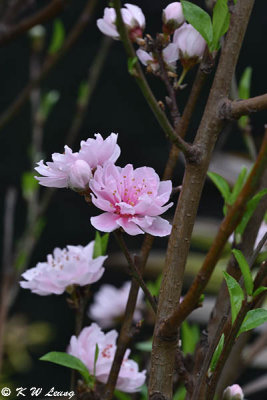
[233, 392]
[75, 170]
[132, 16]
[132, 199]
[170, 56]
[84, 346]
[110, 302]
[190, 43]
[71, 266]
[172, 17]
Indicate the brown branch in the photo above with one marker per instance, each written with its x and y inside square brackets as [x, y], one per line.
[134, 271]
[162, 367]
[76, 31]
[40, 17]
[235, 109]
[228, 225]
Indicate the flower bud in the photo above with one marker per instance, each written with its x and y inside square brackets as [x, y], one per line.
[132, 16]
[172, 17]
[190, 44]
[233, 392]
[169, 54]
[80, 174]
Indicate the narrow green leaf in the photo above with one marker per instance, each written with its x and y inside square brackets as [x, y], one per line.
[144, 392]
[83, 93]
[220, 22]
[58, 37]
[155, 286]
[253, 319]
[251, 207]
[242, 262]
[48, 101]
[244, 84]
[69, 361]
[131, 64]
[238, 185]
[180, 393]
[96, 357]
[190, 336]
[221, 184]
[259, 291]
[244, 93]
[97, 246]
[236, 295]
[217, 353]
[200, 20]
[144, 346]
[121, 396]
[29, 184]
[104, 243]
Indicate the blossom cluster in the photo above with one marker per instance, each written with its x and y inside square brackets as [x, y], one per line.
[187, 44]
[84, 347]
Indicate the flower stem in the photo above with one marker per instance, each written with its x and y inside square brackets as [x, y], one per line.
[183, 74]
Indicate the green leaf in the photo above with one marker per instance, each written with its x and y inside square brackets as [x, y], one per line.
[58, 37]
[200, 20]
[238, 185]
[83, 93]
[250, 208]
[220, 22]
[144, 346]
[259, 291]
[131, 64]
[101, 243]
[242, 262]
[236, 295]
[69, 361]
[48, 101]
[29, 184]
[180, 393]
[244, 84]
[253, 319]
[190, 336]
[244, 93]
[144, 392]
[217, 353]
[121, 396]
[155, 286]
[221, 184]
[96, 357]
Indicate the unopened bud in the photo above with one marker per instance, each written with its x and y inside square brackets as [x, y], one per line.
[233, 392]
[172, 17]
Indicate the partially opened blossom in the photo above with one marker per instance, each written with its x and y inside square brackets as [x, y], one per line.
[132, 16]
[75, 170]
[132, 199]
[233, 392]
[169, 54]
[172, 17]
[110, 302]
[73, 265]
[191, 45]
[84, 346]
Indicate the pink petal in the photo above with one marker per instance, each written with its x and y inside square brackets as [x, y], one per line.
[105, 222]
[129, 227]
[160, 227]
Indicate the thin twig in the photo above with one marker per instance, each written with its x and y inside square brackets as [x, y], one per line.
[76, 31]
[40, 17]
[186, 148]
[133, 270]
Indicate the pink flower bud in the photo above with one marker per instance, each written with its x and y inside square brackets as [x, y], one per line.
[172, 17]
[132, 16]
[190, 44]
[233, 392]
[170, 56]
[80, 174]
